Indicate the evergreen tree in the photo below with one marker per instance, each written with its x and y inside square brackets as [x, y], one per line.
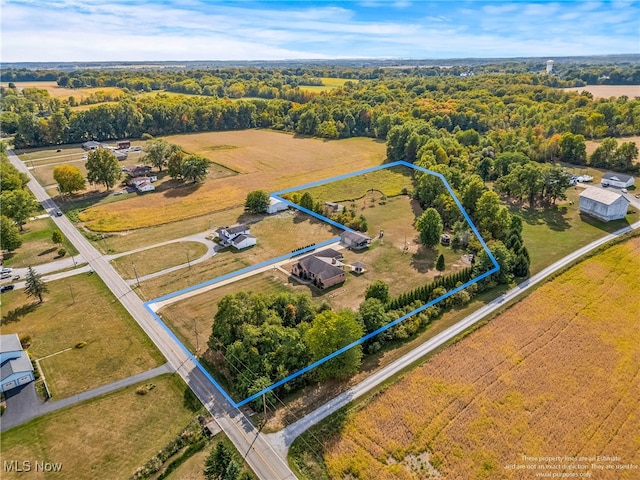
[440, 263]
[34, 285]
[217, 462]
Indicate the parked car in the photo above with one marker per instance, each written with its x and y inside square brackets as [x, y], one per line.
[5, 275]
[624, 190]
[7, 270]
[6, 288]
[16, 277]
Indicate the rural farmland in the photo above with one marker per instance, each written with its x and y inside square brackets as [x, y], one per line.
[537, 381]
[265, 159]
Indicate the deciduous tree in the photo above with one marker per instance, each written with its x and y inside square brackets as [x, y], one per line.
[257, 201]
[378, 289]
[69, 179]
[9, 234]
[429, 226]
[102, 167]
[18, 205]
[194, 168]
[329, 332]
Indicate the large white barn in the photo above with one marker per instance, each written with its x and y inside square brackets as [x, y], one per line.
[603, 204]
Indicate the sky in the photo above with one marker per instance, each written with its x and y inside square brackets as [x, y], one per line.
[182, 30]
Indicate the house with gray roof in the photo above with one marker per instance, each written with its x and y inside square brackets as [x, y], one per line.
[15, 365]
[323, 269]
[237, 236]
[355, 240]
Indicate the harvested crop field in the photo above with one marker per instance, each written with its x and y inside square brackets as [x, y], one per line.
[607, 91]
[556, 375]
[266, 160]
[60, 92]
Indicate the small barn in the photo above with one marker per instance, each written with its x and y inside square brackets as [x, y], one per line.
[91, 145]
[123, 144]
[15, 367]
[355, 240]
[603, 204]
[619, 180]
[276, 205]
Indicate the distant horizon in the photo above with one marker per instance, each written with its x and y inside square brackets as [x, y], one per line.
[337, 60]
[132, 31]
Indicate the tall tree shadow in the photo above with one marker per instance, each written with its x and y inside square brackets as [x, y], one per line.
[16, 314]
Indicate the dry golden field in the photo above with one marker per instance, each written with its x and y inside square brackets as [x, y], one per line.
[556, 375]
[607, 91]
[59, 92]
[267, 160]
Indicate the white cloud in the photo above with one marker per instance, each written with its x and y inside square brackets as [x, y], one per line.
[84, 30]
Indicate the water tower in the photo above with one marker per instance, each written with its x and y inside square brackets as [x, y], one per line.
[549, 66]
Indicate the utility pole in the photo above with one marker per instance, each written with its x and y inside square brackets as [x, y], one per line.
[136, 273]
[195, 329]
[188, 261]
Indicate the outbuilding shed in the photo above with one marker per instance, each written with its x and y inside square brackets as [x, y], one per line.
[276, 205]
[603, 204]
[620, 180]
[15, 366]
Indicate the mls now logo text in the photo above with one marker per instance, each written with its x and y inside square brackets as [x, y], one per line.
[29, 466]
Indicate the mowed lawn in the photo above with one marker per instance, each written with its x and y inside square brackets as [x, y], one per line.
[328, 84]
[277, 235]
[266, 160]
[107, 437]
[389, 182]
[158, 258]
[37, 247]
[80, 310]
[552, 234]
[608, 91]
[556, 374]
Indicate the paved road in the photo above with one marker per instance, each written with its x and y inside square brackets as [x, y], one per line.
[282, 440]
[253, 445]
[25, 405]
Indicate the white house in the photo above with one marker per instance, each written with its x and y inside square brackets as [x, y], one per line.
[619, 180]
[140, 180]
[15, 366]
[276, 205]
[145, 187]
[243, 241]
[603, 204]
[237, 236]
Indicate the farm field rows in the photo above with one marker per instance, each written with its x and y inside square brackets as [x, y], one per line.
[79, 310]
[107, 437]
[269, 160]
[556, 374]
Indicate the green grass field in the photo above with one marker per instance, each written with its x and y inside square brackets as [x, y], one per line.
[390, 182]
[37, 247]
[80, 309]
[158, 258]
[552, 234]
[328, 83]
[106, 437]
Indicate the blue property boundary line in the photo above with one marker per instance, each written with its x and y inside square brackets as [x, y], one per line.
[361, 340]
